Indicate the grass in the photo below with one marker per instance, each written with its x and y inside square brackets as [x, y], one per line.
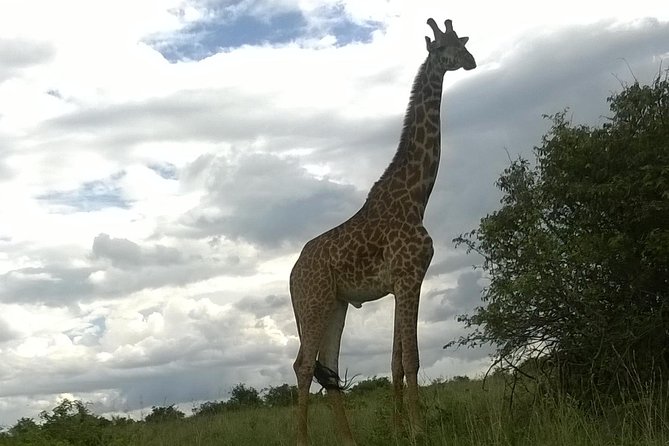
[458, 413]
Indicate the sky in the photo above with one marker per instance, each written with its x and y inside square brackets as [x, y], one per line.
[162, 163]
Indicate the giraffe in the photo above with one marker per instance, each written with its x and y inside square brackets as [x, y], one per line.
[383, 249]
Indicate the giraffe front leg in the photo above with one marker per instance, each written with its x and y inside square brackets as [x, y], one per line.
[397, 373]
[407, 299]
[311, 331]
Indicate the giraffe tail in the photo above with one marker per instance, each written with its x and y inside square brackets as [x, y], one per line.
[330, 380]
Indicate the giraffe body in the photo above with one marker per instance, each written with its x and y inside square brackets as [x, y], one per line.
[382, 249]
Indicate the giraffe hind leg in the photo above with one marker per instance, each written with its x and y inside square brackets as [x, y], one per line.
[312, 323]
[327, 368]
[304, 375]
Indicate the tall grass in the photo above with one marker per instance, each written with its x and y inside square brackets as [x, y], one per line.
[455, 413]
[458, 413]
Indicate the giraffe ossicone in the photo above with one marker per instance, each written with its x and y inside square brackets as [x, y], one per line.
[382, 249]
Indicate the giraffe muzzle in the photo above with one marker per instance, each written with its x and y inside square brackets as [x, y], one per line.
[469, 63]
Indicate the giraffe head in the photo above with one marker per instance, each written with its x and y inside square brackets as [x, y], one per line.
[448, 49]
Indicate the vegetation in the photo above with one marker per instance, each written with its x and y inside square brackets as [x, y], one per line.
[463, 412]
[578, 255]
[161, 414]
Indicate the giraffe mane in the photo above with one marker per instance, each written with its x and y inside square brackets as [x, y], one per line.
[400, 154]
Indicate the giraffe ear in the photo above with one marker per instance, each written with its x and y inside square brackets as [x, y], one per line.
[464, 40]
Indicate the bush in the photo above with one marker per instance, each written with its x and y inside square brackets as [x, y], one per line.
[162, 414]
[370, 385]
[72, 423]
[578, 254]
[242, 396]
[283, 395]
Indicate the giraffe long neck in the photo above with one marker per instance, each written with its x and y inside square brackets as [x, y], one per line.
[406, 184]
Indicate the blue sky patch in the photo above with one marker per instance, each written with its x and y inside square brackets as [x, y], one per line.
[227, 31]
[167, 171]
[90, 196]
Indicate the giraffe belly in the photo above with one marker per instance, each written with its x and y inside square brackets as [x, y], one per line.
[364, 291]
[362, 276]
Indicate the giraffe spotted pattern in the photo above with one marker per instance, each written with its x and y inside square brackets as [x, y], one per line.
[382, 249]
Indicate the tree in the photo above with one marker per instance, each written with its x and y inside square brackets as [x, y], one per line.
[578, 254]
[72, 423]
[242, 396]
[369, 385]
[210, 408]
[283, 395]
[24, 426]
[166, 413]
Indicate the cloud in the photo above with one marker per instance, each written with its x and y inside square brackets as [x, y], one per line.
[267, 200]
[6, 331]
[447, 303]
[266, 306]
[181, 349]
[453, 262]
[57, 285]
[117, 267]
[17, 54]
[125, 254]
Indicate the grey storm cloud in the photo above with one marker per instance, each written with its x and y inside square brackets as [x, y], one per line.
[195, 356]
[213, 115]
[454, 262]
[127, 266]
[54, 285]
[266, 306]
[446, 304]
[268, 200]
[134, 267]
[126, 254]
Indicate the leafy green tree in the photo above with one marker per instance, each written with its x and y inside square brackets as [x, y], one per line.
[243, 396]
[26, 432]
[72, 423]
[460, 379]
[369, 385]
[578, 254]
[161, 414]
[210, 408]
[283, 395]
[24, 426]
[118, 420]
